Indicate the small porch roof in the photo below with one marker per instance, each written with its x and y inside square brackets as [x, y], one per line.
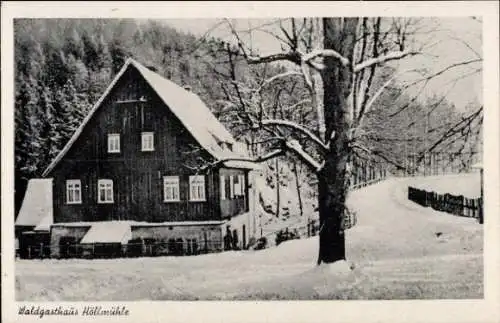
[45, 224]
[242, 164]
[108, 232]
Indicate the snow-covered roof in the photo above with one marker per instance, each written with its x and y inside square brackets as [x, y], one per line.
[184, 104]
[37, 203]
[242, 164]
[45, 224]
[108, 232]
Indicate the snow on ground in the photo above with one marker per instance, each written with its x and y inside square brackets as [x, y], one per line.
[451, 184]
[398, 250]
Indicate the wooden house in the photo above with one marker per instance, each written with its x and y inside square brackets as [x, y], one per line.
[152, 156]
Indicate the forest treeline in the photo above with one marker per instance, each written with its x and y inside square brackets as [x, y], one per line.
[62, 66]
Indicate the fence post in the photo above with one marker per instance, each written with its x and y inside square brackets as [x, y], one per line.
[480, 206]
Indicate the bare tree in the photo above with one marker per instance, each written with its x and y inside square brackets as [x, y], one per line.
[338, 60]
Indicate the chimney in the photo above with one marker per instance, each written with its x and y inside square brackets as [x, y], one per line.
[152, 68]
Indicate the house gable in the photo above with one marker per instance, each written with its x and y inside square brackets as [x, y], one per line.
[131, 108]
[195, 117]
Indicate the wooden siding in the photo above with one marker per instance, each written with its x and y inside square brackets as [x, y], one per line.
[137, 176]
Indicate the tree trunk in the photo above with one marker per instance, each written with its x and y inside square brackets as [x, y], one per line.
[298, 185]
[340, 35]
[278, 202]
[332, 196]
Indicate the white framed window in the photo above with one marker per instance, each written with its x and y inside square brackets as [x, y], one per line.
[73, 191]
[197, 188]
[231, 186]
[147, 141]
[222, 187]
[242, 185]
[113, 143]
[239, 185]
[105, 191]
[171, 189]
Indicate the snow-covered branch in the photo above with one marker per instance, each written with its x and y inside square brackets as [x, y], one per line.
[297, 127]
[276, 77]
[307, 75]
[368, 105]
[325, 53]
[291, 56]
[294, 55]
[294, 146]
[259, 159]
[383, 58]
[290, 146]
[293, 106]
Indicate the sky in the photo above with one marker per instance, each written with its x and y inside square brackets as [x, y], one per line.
[457, 39]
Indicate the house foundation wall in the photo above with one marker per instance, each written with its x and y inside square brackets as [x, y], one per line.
[59, 235]
[145, 240]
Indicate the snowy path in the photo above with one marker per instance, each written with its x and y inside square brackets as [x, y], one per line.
[394, 248]
[391, 226]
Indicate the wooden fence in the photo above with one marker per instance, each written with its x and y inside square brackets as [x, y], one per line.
[457, 205]
[134, 248]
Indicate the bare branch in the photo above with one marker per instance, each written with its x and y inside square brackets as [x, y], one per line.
[271, 33]
[292, 56]
[200, 41]
[377, 153]
[413, 99]
[459, 127]
[360, 76]
[366, 89]
[449, 67]
[292, 39]
[297, 127]
[267, 140]
[383, 58]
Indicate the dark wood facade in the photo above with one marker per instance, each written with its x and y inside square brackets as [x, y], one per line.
[137, 175]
